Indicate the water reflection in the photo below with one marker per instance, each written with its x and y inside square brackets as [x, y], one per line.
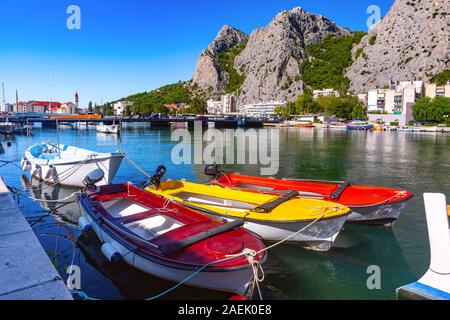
[130, 282]
[67, 210]
[416, 162]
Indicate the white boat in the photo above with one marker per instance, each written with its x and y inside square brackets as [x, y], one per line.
[435, 284]
[337, 126]
[66, 125]
[114, 129]
[68, 165]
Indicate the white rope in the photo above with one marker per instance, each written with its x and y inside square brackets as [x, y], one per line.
[64, 200]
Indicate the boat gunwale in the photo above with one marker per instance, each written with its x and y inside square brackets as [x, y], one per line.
[258, 221]
[326, 197]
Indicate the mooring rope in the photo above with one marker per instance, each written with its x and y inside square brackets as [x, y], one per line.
[5, 163]
[136, 166]
[64, 200]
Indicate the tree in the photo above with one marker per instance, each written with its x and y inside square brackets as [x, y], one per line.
[327, 60]
[305, 104]
[344, 107]
[442, 78]
[434, 110]
[90, 108]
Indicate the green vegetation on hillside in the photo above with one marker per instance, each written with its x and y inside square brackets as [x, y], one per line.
[326, 62]
[344, 107]
[153, 102]
[226, 62]
[435, 110]
[442, 78]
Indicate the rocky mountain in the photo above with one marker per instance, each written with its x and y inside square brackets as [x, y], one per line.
[411, 42]
[210, 76]
[268, 63]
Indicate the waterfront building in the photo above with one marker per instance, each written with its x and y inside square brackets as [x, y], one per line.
[67, 108]
[325, 93]
[228, 104]
[121, 107]
[214, 107]
[263, 109]
[395, 103]
[317, 117]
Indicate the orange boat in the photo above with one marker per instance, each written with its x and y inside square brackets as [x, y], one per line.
[369, 205]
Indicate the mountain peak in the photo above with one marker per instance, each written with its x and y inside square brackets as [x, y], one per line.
[227, 38]
[411, 42]
[270, 64]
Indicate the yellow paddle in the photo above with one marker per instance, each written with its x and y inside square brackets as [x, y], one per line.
[448, 210]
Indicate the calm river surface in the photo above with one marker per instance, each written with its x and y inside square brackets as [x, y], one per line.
[416, 162]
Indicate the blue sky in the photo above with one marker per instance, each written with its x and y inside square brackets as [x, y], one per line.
[131, 46]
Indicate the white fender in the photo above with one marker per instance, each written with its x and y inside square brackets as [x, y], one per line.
[438, 276]
[36, 171]
[25, 164]
[50, 172]
[84, 224]
[111, 253]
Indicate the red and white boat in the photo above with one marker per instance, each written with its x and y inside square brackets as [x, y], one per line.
[170, 241]
[369, 205]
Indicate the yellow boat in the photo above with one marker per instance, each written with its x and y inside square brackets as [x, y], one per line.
[272, 218]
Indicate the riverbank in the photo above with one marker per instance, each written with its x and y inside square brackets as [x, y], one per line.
[26, 272]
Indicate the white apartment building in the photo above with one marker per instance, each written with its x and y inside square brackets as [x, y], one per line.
[325, 93]
[230, 104]
[263, 109]
[396, 102]
[227, 105]
[214, 107]
[120, 107]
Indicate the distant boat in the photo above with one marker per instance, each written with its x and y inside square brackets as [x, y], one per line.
[66, 125]
[113, 129]
[296, 123]
[6, 128]
[360, 125]
[337, 126]
[68, 165]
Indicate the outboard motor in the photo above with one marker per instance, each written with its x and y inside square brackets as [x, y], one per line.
[92, 178]
[213, 171]
[157, 177]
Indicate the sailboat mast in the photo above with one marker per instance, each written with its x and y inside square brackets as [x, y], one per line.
[4, 97]
[17, 100]
[51, 90]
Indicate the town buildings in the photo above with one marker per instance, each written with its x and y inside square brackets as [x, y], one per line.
[227, 105]
[263, 109]
[121, 107]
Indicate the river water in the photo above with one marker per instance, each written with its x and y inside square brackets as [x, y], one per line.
[417, 162]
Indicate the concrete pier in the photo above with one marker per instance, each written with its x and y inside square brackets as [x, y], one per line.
[26, 272]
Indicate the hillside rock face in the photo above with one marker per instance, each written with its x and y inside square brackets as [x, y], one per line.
[411, 42]
[271, 60]
[273, 56]
[209, 76]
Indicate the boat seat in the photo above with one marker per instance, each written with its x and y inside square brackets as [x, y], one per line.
[270, 206]
[214, 201]
[171, 248]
